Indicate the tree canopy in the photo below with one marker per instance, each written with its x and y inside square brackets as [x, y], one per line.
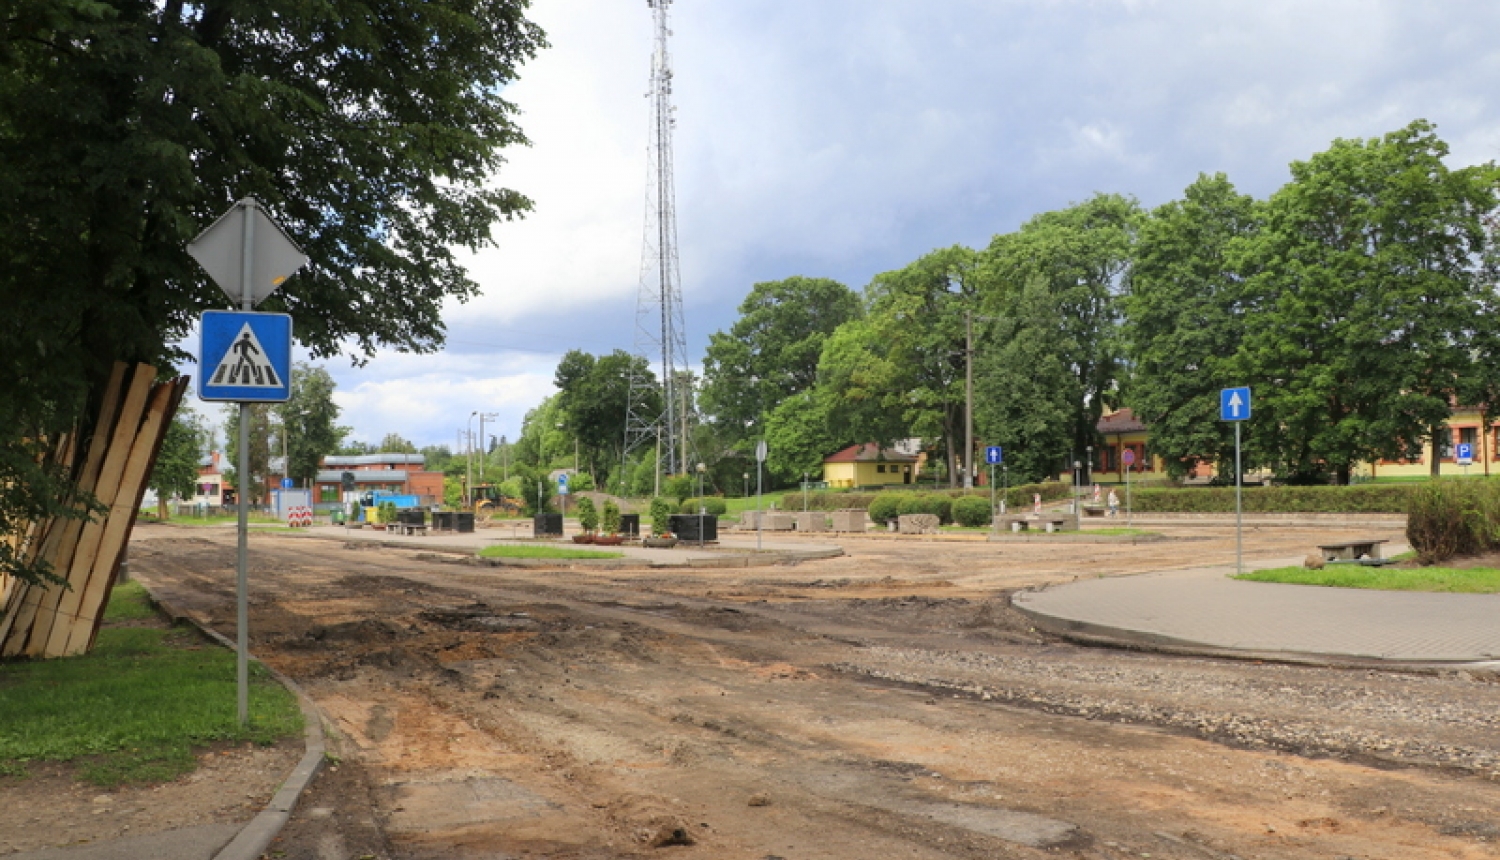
[370, 129]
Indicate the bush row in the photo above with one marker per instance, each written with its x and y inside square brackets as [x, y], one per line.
[1357, 499]
[1453, 517]
[714, 504]
[835, 500]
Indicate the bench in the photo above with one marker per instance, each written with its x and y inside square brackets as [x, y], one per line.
[1093, 510]
[407, 529]
[1354, 552]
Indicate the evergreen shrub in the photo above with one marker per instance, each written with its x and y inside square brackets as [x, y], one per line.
[886, 507]
[1450, 517]
[1355, 499]
[714, 504]
[972, 511]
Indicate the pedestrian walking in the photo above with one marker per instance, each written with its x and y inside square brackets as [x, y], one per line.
[1114, 504]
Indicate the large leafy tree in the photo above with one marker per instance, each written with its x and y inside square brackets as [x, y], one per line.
[1185, 321]
[771, 352]
[370, 129]
[900, 370]
[175, 472]
[594, 401]
[309, 420]
[1052, 298]
[1366, 298]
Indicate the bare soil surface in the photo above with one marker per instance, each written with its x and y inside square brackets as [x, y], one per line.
[886, 704]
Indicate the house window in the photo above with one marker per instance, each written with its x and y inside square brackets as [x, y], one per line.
[1469, 436]
[1445, 445]
[1107, 458]
[880, 469]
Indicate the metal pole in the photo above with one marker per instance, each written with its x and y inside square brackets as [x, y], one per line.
[804, 492]
[1127, 497]
[760, 515]
[968, 399]
[242, 550]
[1239, 558]
[994, 517]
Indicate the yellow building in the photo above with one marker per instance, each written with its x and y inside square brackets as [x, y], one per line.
[1123, 432]
[869, 465]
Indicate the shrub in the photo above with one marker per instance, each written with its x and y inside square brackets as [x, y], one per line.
[971, 511]
[661, 516]
[679, 487]
[386, 512]
[713, 504]
[1453, 517]
[610, 522]
[886, 507]
[1356, 499]
[937, 504]
[588, 515]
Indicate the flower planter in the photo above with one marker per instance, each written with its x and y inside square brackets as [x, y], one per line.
[608, 540]
[659, 542]
[583, 538]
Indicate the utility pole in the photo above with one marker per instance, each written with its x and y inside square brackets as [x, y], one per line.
[968, 399]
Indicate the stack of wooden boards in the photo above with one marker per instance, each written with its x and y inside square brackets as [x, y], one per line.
[44, 621]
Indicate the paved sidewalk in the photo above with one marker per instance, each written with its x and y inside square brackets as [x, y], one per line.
[1204, 610]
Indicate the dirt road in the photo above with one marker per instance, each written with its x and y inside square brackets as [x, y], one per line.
[888, 704]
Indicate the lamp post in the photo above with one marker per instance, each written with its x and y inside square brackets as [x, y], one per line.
[702, 507]
[804, 492]
[746, 494]
[469, 461]
[482, 445]
[1005, 486]
[1077, 514]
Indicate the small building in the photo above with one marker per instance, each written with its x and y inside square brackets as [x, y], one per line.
[388, 472]
[1123, 431]
[208, 490]
[869, 465]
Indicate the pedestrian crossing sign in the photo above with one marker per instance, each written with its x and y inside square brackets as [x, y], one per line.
[245, 357]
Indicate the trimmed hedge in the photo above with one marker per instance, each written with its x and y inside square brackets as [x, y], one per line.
[835, 500]
[715, 505]
[1356, 499]
[1453, 517]
[972, 511]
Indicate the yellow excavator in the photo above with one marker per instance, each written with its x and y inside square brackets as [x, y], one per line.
[489, 500]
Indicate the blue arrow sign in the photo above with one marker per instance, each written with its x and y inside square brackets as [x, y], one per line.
[562, 484]
[245, 357]
[1234, 404]
[993, 455]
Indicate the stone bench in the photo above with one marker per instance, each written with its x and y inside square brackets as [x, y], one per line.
[1021, 524]
[918, 524]
[852, 520]
[811, 521]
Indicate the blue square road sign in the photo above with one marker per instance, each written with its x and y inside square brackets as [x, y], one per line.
[1234, 404]
[993, 455]
[245, 357]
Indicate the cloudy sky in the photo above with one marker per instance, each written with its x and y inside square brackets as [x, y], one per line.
[842, 138]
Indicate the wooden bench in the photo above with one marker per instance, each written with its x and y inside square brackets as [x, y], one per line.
[1354, 552]
[407, 529]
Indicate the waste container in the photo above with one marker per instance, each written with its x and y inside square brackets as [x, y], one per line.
[630, 525]
[336, 516]
[412, 517]
[695, 528]
[547, 525]
[464, 520]
[444, 521]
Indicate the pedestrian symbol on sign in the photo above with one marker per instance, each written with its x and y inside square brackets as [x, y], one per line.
[246, 365]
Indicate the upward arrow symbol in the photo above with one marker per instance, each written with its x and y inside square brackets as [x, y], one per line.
[1235, 403]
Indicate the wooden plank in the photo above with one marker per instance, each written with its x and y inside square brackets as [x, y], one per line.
[84, 625]
[64, 602]
[61, 541]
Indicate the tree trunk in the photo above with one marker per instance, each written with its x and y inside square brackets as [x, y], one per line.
[1435, 468]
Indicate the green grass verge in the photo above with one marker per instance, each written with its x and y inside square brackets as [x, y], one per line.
[508, 551]
[735, 507]
[227, 520]
[1477, 580]
[134, 709]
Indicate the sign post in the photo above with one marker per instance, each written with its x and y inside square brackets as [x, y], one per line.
[249, 257]
[760, 463]
[1465, 456]
[1128, 458]
[1234, 406]
[993, 456]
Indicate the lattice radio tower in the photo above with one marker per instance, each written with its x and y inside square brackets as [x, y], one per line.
[659, 412]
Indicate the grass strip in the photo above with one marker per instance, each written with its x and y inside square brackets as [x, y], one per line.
[509, 551]
[134, 708]
[1475, 580]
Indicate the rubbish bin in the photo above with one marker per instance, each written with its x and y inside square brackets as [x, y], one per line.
[336, 516]
[412, 517]
[444, 521]
[464, 520]
[547, 525]
[630, 525]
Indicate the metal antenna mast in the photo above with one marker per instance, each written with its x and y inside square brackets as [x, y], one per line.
[659, 411]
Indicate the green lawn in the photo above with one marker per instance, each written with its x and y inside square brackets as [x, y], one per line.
[508, 551]
[783, 500]
[134, 709]
[1478, 580]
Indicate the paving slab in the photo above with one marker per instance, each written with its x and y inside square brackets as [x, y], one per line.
[1204, 609]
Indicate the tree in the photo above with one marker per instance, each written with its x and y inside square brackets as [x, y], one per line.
[1053, 289]
[594, 400]
[798, 437]
[1184, 322]
[395, 443]
[1365, 298]
[260, 450]
[371, 130]
[771, 352]
[308, 420]
[176, 469]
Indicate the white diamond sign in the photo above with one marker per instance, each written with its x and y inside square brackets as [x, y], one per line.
[220, 250]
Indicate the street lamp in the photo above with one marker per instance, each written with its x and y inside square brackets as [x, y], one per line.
[804, 492]
[469, 461]
[746, 494]
[702, 507]
[1077, 514]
